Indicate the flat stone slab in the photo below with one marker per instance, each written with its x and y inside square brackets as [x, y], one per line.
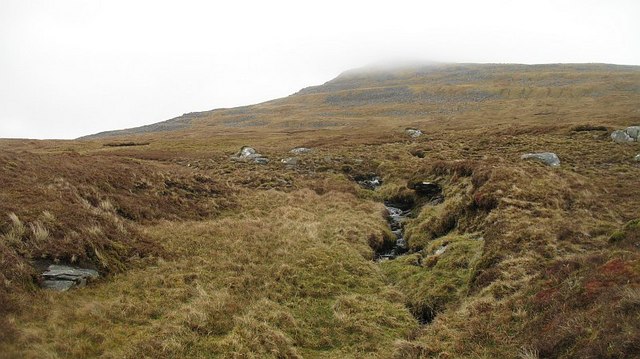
[62, 278]
[548, 158]
[55, 270]
[58, 285]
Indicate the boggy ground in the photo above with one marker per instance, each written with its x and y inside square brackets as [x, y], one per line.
[282, 265]
[201, 256]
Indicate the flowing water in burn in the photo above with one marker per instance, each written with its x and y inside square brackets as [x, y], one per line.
[396, 218]
[398, 213]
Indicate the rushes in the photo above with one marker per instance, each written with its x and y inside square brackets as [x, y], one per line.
[16, 231]
[36, 232]
[527, 353]
[40, 233]
[17, 226]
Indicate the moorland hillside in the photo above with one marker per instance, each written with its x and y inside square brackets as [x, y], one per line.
[204, 250]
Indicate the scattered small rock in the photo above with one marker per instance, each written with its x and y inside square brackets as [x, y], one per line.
[637, 157]
[290, 162]
[413, 132]
[62, 278]
[548, 158]
[247, 153]
[440, 250]
[620, 136]
[300, 150]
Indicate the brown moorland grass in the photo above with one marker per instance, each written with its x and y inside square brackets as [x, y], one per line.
[246, 260]
[284, 276]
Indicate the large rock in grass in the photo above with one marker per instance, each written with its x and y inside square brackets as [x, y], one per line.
[62, 278]
[249, 154]
[548, 158]
[413, 132]
[633, 132]
[620, 136]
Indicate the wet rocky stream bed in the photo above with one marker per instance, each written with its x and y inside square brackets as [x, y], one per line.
[399, 212]
[397, 215]
[396, 219]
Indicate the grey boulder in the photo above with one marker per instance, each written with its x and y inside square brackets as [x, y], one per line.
[249, 154]
[620, 136]
[58, 285]
[413, 132]
[548, 158]
[62, 278]
[633, 132]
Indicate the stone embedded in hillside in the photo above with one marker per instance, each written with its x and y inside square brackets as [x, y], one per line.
[548, 158]
[440, 250]
[633, 132]
[621, 136]
[300, 150]
[247, 154]
[413, 132]
[62, 278]
[247, 151]
[426, 188]
[290, 162]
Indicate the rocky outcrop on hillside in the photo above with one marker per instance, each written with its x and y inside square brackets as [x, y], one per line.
[249, 154]
[548, 158]
[630, 134]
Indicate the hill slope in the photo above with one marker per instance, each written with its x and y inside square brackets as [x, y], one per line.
[202, 255]
[434, 94]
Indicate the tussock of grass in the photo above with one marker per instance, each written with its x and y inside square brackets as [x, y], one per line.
[431, 281]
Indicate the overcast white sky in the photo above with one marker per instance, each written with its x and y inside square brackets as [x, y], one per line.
[74, 67]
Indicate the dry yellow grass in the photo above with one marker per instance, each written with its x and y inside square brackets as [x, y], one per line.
[285, 275]
[205, 257]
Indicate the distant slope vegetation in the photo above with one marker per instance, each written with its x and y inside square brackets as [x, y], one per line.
[437, 93]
